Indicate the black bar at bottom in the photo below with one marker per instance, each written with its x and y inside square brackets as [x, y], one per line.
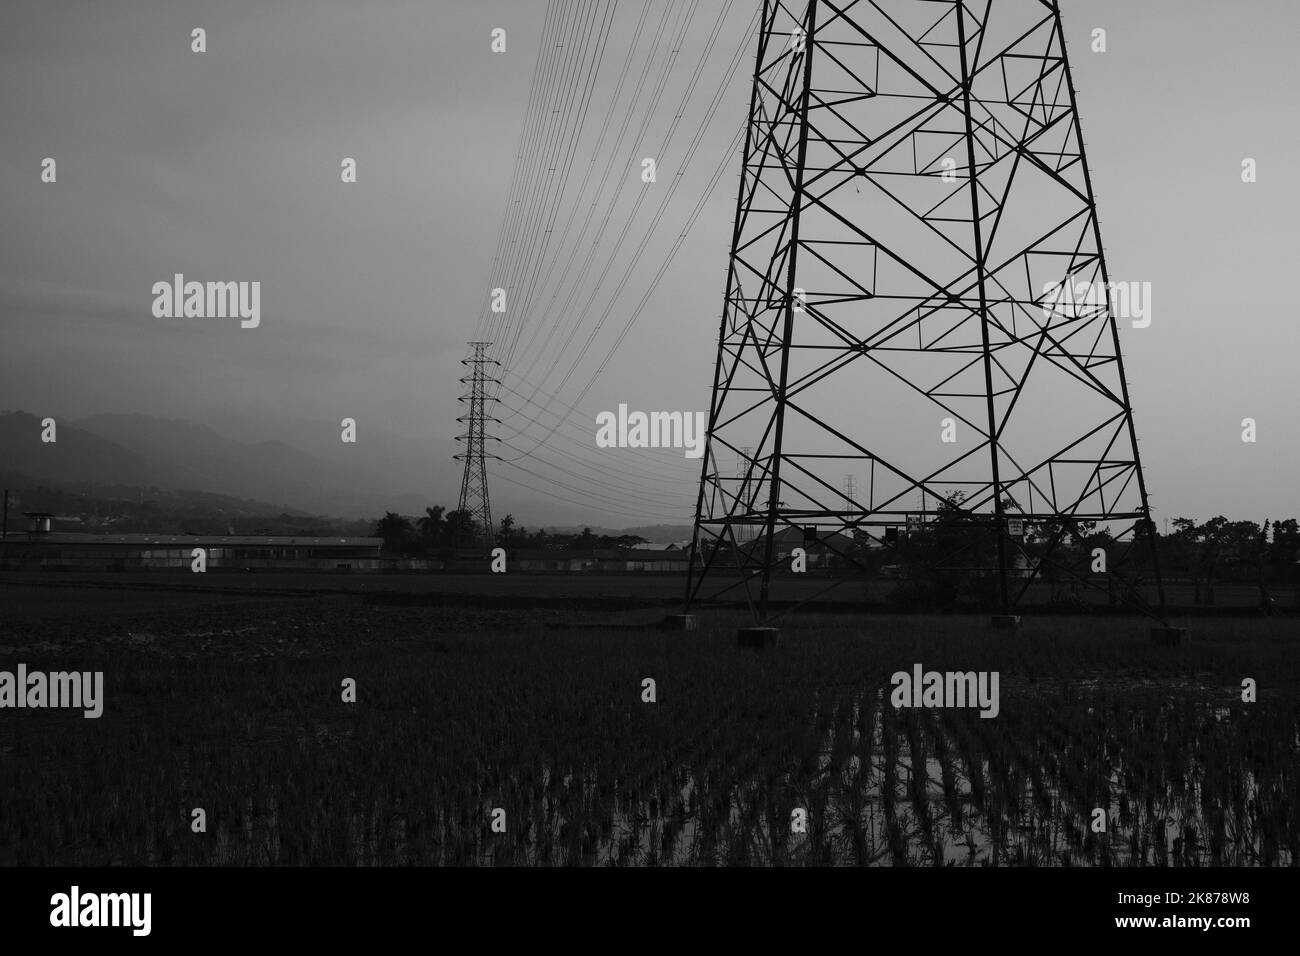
[932, 906]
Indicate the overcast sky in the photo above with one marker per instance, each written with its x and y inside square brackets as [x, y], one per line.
[225, 166]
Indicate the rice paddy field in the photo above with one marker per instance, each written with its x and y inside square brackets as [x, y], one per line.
[234, 705]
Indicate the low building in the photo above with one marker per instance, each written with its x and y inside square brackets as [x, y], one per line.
[646, 559]
[533, 559]
[600, 560]
[120, 552]
[821, 550]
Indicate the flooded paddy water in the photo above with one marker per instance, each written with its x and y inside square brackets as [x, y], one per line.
[484, 737]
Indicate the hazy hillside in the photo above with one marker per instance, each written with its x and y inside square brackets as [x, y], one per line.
[104, 508]
[77, 456]
[295, 465]
[141, 450]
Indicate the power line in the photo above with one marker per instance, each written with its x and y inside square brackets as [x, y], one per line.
[641, 195]
[527, 140]
[604, 129]
[524, 220]
[690, 222]
[653, 285]
[543, 207]
[648, 498]
[529, 283]
[642, 87]
[585, 499]
[563, 423]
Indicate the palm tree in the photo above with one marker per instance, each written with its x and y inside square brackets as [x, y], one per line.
[431, 526]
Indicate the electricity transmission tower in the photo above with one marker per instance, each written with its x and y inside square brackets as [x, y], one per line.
[917, 288]
[475, 505]
[746, 492]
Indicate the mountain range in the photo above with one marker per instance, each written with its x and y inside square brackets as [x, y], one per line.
[292, 466]
[376, 474]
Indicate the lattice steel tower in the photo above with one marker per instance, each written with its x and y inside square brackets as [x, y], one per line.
[913, 196]
[474, 499]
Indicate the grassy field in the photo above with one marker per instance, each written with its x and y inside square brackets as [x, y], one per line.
[658, 589]
[233, 704]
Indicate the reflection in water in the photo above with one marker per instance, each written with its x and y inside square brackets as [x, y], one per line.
[885, 788]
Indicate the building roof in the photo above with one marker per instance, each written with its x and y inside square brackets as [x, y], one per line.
[598, 554]
[541, 554]
[665, 554]
[794, 535]
[145, 539]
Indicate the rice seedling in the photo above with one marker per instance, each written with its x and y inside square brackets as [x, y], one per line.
[459, 715]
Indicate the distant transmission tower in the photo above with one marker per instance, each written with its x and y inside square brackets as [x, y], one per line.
[743, 468]
[917, 288]
[474, 499]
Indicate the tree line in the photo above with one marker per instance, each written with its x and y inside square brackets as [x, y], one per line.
[1217, 551]
[1202, 554]
[439, 532]
[1226, 551]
